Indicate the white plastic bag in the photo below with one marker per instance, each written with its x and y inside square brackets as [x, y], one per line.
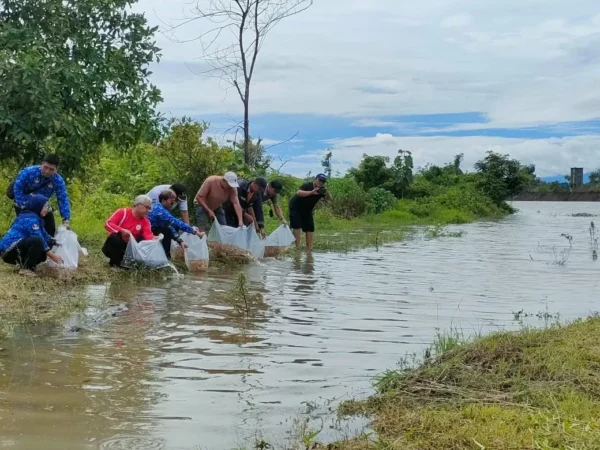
[67, 247]
[278, 241]
[236, 242]
[146, 253]
[196, 255]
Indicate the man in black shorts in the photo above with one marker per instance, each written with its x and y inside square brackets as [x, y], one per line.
[301, 208]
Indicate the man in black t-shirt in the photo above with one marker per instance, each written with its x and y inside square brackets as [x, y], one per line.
[302, 205]
[249, 195]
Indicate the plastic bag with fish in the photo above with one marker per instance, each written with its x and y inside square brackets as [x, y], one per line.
[67, 247]
[149, 254]
[240, 242]
[177, 253]
[277, 243]
[196, 255]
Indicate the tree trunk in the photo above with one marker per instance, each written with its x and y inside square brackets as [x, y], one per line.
[247, 125]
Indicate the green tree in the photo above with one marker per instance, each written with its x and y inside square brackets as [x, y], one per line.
[326, 164]
[595, 178]
[501, 177]
[373, 171]
[258, 160]
[74, 75]
[193, 157]
[403, 172]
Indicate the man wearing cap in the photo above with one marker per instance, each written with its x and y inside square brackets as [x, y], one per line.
[301, 208]
[249, 195]
[181, 193]
[271, 193]
[215, 191]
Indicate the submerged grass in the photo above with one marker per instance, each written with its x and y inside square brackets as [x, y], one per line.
[534, 389]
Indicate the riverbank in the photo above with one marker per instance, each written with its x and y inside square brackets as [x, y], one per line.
[533, 389]
[558, 197]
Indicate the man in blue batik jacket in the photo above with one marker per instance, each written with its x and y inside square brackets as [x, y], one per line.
[163, 222]
[42, 180]
[27, 244]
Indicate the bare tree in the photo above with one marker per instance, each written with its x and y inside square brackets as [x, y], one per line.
[231, 44]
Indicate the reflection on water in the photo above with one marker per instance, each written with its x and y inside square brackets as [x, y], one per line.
[182, 369]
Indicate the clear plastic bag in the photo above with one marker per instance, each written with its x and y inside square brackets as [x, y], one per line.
[149, 254]
[277, 243]
[196, 255]
[235, 242]
[177, 253]
[67, 247]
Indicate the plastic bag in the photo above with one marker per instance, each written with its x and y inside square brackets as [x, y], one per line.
[196, 255]
[67, 247]
[235, 242]
[177, 253]
[146, 253]
[277, 243]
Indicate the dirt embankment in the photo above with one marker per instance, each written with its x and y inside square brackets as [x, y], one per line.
[558, 197]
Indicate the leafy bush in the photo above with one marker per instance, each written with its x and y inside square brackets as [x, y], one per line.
[349, 198]
[380, 200]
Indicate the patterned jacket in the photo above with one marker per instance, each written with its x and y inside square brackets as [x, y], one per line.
[160, 217]
[30, 178]
[25, 225]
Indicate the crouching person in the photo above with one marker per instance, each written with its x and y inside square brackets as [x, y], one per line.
[27, 243]
[163, 222]
[125, 224]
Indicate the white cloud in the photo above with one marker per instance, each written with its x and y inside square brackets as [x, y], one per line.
[521, 63]
[551, 156]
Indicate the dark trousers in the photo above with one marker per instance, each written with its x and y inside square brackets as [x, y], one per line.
[28, 253]
[168, 237]
[114, 249]
[49, 221]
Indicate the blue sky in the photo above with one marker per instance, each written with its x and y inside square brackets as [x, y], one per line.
[437, 77]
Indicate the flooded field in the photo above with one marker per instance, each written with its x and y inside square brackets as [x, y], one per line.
[181, 370]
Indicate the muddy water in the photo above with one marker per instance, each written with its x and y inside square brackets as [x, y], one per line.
[180, 370]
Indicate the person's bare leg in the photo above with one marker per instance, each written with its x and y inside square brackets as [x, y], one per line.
[298, 236]
[309, 241]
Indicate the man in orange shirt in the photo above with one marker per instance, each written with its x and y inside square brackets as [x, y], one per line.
[215, 191]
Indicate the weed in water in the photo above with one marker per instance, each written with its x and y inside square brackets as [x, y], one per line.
[240, 297]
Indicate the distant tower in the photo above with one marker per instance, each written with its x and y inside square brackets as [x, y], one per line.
[576, 177]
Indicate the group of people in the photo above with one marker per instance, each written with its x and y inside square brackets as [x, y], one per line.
[228, 200]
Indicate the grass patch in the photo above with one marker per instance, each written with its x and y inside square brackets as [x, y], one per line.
[534, 389]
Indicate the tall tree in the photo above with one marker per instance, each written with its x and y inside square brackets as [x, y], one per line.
[326, 164]
[249, 22]
[501, 177]
[403, 172]
[595, 178]
[74, 75]
[373, 171]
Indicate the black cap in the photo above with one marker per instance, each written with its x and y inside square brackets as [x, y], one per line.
[277, 185]
[262, 182]
[180, 190]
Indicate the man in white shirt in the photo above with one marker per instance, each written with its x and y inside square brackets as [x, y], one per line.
[181, 192]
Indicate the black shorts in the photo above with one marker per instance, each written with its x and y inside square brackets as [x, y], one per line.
[302, 220]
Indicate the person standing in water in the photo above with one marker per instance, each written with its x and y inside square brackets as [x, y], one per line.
[302, 206]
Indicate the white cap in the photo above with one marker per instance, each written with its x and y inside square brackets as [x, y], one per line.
[231, 178]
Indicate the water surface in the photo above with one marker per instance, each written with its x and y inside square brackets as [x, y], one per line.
[182, 370]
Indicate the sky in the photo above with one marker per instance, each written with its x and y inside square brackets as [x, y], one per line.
[436, 77]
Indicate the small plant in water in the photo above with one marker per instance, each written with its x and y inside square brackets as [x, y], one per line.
[440, 231]
[569, 238]
[241, 298]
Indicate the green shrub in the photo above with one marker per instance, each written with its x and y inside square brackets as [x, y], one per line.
[379, 200]
[349, 198]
